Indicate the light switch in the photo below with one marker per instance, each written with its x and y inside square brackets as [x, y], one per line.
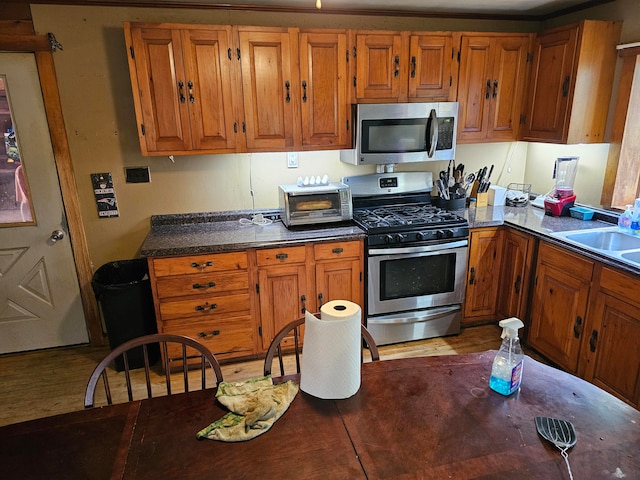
[292, 159]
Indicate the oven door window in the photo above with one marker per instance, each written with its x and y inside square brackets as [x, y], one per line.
[417, 276]
[317, 203]
[394, 136]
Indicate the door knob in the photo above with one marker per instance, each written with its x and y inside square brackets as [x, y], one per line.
[57, 235]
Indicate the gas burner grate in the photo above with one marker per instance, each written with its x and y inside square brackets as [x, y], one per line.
[410, 216]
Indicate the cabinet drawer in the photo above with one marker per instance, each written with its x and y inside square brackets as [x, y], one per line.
[226, 338]
[217, 262]
[568, 262]
[337, 250]
[205, 307]
[620, 285]
[207, 283]
[280, 256]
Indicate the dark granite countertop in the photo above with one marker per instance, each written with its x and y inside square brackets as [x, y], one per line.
[190, 234]
[196, 233]
[533, 220]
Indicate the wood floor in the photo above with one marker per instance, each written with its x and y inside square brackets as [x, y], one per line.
[50, 382]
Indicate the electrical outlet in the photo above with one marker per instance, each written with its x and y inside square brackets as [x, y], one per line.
[137, 174]
[292, 159]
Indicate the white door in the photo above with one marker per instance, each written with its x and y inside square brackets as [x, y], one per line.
[40, 303]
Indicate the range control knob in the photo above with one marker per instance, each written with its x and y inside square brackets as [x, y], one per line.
[420, 236]
[399, 238]
[449, 233]
[440, 234]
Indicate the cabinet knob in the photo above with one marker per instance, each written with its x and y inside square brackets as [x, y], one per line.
[577, 327]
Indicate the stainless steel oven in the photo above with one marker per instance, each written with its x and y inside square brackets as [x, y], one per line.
[415, 292]
[416, 257]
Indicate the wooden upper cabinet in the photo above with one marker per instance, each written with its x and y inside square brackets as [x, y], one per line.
[183, 84]
[324, 89]
[270, 85]
[491, 86]
[405, 66]
[379, 66]
[570, 83]
[433, 67]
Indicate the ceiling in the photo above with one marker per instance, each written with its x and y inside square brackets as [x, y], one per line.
[522, 9]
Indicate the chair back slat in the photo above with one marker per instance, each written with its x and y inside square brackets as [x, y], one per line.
[276, 350]
[207, 362]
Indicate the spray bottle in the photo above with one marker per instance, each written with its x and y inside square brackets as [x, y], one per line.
[506, 372]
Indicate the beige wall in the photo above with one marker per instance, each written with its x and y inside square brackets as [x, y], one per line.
[97, 105]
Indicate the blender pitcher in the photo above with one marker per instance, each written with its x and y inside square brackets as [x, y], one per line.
[563, 198]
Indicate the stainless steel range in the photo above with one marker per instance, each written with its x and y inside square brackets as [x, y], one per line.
[416, 257]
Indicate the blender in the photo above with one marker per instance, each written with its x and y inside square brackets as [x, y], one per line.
[562, 199]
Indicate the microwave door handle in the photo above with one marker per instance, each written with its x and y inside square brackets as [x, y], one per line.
[433, 134]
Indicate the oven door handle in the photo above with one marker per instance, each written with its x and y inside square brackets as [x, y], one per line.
[418, 249]
[434, 313]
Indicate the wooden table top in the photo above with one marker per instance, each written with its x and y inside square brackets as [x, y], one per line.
[427, 417]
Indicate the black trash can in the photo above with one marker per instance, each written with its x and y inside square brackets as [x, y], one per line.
[123, 291]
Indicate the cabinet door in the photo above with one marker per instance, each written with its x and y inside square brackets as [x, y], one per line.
[270, 87]
[211, 80]
[517, 252]
[485, 253]
[559, 305]
[338, 280]
[474, 91]
[613, 353]
[380, 69]
[283, 298]
[324, 90]
[433, 72]
[507, 87]
[551, 83]
[157, 68]
[492, 81]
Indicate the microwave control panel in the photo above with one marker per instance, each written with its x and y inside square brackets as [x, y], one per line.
[445, 133]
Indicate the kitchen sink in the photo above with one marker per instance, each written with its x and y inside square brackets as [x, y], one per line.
[606, 240]
[632, 256]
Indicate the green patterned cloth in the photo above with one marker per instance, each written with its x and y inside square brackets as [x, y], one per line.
[254, 406]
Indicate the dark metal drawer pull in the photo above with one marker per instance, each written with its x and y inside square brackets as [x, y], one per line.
[206, 307]
[205, 286]
[593, 341]
[282, 256]
[337, 250]
[212, 334]
[577, 327]
[202, 265]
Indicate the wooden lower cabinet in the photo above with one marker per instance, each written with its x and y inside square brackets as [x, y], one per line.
[515, 271]
[292, 280]
[559, 304]
[610, 355]
[483, 266]
[206, 297]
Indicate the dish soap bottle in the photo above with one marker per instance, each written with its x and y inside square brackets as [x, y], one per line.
[624, 220]
[635, 218]
[506, 372]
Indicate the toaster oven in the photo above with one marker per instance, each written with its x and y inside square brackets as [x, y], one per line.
[313, 204]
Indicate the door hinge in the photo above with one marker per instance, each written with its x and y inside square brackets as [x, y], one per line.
[131, 52]
[258, 288]
[347, 55]
[361, 276]
[450, 80]
[260, 330]
[529, 57]
[142, 129]
[347, 125]
[453, 52]
[355, 83]
[458, 57]
[354, 52]
[523, 119]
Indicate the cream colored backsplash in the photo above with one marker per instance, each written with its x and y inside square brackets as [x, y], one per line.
[97, 105]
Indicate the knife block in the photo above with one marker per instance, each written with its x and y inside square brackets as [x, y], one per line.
[482, 199]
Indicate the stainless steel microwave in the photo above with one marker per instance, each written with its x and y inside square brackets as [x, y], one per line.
[310, 205]
[402, 132]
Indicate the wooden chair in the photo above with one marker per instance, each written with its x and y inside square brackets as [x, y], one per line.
[207, 359]
[276, 349]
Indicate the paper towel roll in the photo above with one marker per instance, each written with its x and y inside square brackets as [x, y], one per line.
[331, 359]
